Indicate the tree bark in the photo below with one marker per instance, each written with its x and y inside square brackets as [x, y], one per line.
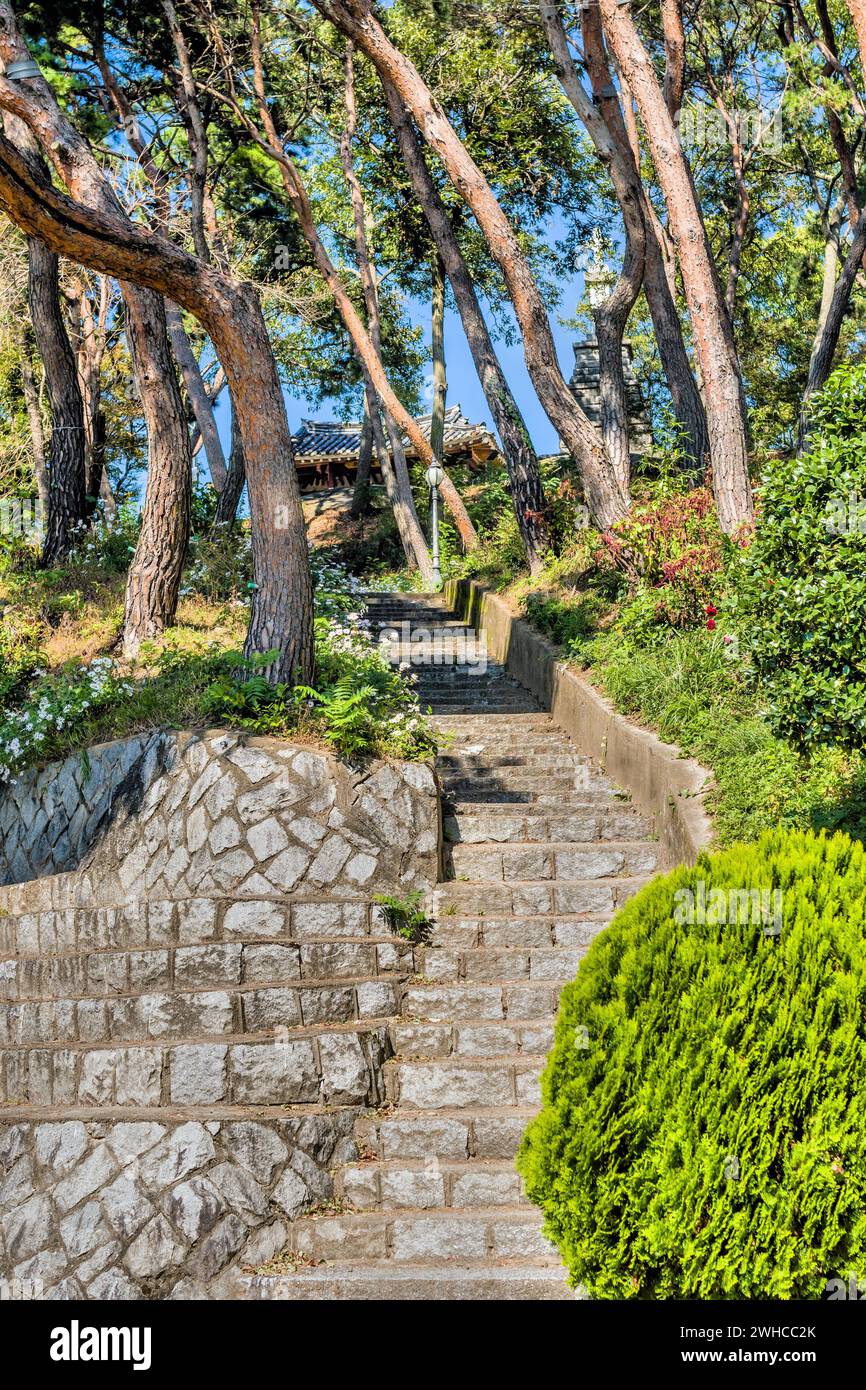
[230, 496]
[67, 480]
[437, 348]
[400, 484]
[603, 494]
[524, 476]
[361, 492]
[153, 581]
[30, 393]
[606, 125]
[725, 401]
[92, 228]
[675, 56]
[825, 346]
[612, 316]
[198, 396]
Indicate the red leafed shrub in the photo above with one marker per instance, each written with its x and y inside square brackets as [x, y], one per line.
[677, 549]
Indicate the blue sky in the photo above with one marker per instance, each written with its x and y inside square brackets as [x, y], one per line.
[463, 385]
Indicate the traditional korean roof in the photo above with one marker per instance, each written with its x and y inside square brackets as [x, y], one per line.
[317, 439]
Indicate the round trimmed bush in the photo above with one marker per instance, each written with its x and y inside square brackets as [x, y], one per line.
[703, 1130]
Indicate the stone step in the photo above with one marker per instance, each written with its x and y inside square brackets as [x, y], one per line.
[423, 650]
[494, 706]
[597, 821]
[559, 897]
[582, 780]
[493, 863]
[106, 973]
[482, 1001]
[531, 742]
[465, 932]
[496, 1039]
[332, 1065]
[193, 922]
[393, 1185]
[530, 721]
[456, 1083]
[480, 1233]
[483, 1282]
[177, 1014]
[480, 761]
[490, 963]
[490, 1133]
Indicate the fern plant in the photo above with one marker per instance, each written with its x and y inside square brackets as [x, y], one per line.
[405, 916]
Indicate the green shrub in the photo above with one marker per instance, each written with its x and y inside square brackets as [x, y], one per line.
[675, 542]
[802, 590]
[703, 1130]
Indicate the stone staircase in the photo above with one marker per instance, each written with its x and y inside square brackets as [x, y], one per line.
[540, 851]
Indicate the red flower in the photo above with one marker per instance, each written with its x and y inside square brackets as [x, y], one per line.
[711, 623]
[711, 610]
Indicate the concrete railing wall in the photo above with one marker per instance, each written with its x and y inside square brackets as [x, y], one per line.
[662, 783]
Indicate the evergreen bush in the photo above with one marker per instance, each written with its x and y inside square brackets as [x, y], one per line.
[703, 1130]
[801, 600]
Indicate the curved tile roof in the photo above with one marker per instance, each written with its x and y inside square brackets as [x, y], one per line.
[317, 439]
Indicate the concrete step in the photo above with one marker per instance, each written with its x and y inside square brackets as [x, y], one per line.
[457, 1083]
[596, 821]
[479, 1234]
[536, 721]
[482, 1282]
[465, 932]
[501, 798]
[393, 1185]
[497, 1039]
[520, 788]
[560, 897]
[488, 963]
[490, 1133]
[491, 707]
[334, 1065]
[481, 1001]
[493, 863]
[480, 762]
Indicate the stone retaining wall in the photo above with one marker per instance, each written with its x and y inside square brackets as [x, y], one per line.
[145, 1209]
[175, 815]
[662, 783]
[194, 989]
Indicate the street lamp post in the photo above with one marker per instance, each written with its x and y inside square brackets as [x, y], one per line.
[435, 476]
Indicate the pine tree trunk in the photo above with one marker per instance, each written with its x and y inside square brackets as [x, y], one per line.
[230, 496]
[361, 492]
[603, 494]
[440, 371]
[524, 477]
[91, 227]
[198, 396]
[398, 490]
[153, 581]
[605, 124]
[34, 414]
[827, 341]
[714, 342]
[67, 483]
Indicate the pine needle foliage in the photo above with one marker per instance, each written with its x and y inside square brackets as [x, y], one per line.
[703, 1130]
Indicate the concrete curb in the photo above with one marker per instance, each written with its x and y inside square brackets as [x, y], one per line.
[662, 783]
